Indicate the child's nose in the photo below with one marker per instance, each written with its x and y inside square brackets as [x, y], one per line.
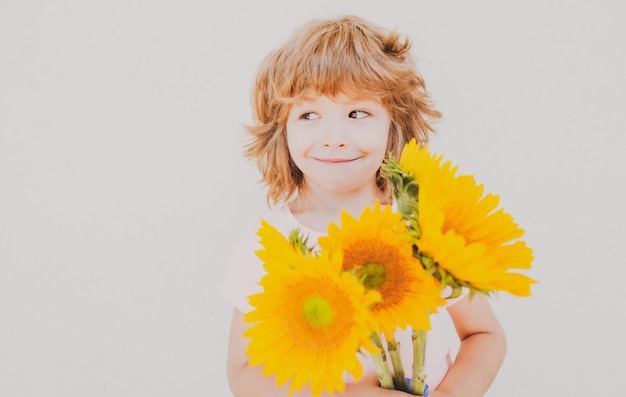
[335, 135]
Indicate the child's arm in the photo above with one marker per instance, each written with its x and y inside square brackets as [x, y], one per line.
[248, 381]
[482, 349]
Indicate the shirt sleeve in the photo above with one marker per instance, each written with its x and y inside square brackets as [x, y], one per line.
[244, 271]
[451, 301]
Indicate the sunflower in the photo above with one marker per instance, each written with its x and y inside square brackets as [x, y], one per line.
[462, 229]
[310, 320]
[378, 249]
[277, 253]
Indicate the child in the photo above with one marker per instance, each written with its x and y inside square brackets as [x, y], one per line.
[329, 105]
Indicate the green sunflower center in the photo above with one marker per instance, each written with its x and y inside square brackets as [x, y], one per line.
[317, 312]
[373, 275]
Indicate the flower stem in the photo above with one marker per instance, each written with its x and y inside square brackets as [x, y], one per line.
[393, 347]
[418, 380]
[380, 361]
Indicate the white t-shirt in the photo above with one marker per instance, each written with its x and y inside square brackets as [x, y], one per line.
[246, 270]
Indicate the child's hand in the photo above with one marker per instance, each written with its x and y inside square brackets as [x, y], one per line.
[438, 394]
[369, 386]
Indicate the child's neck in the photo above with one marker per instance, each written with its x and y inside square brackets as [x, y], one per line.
[316, 211]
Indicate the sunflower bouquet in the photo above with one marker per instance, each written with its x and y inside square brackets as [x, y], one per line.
[383, 271]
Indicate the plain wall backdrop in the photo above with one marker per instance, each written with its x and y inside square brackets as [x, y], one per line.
[123, 189]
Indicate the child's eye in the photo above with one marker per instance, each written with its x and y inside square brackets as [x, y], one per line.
[358, 114]
[310, 116]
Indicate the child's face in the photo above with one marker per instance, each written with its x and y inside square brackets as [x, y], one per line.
[339, 143]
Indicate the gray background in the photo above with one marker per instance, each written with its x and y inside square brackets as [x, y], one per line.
[122, 187]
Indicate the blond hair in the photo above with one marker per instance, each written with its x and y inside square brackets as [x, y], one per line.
[347, 55]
